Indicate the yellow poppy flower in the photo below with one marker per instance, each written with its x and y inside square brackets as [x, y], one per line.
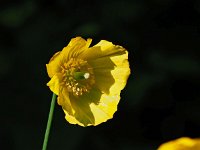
[183, 143]
[88, 80]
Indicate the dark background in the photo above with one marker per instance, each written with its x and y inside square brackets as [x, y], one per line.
[161, 100]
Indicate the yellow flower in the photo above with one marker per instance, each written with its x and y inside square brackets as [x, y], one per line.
[183, 143]
[88, 80]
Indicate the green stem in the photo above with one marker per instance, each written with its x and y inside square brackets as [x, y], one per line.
[46, 137]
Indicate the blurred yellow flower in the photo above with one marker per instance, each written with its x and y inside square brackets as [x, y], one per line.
[183, 143]
[88, 80]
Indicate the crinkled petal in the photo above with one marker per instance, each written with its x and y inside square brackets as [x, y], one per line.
[92, 108]
[111, 73]
[64, 101]
[53, 67]
[102, 49]
[54, 84]
[105, 109]
[120, 73]
[75, 47]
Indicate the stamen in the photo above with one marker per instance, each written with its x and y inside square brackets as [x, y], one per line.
[78, 76]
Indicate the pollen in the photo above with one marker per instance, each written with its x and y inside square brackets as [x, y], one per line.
[78, 76]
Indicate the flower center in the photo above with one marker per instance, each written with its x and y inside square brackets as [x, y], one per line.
[78, 76]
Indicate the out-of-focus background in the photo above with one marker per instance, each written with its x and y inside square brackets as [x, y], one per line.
[161, 101]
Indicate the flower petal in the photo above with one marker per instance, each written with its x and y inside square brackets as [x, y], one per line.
[54, 84]
[82, 113]
[111, 73]
[53, 66]
[183, 143]
[92, 108]
[120, 73]
[75, 47]
[105, 109]
[64, 101]
[102, 49]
